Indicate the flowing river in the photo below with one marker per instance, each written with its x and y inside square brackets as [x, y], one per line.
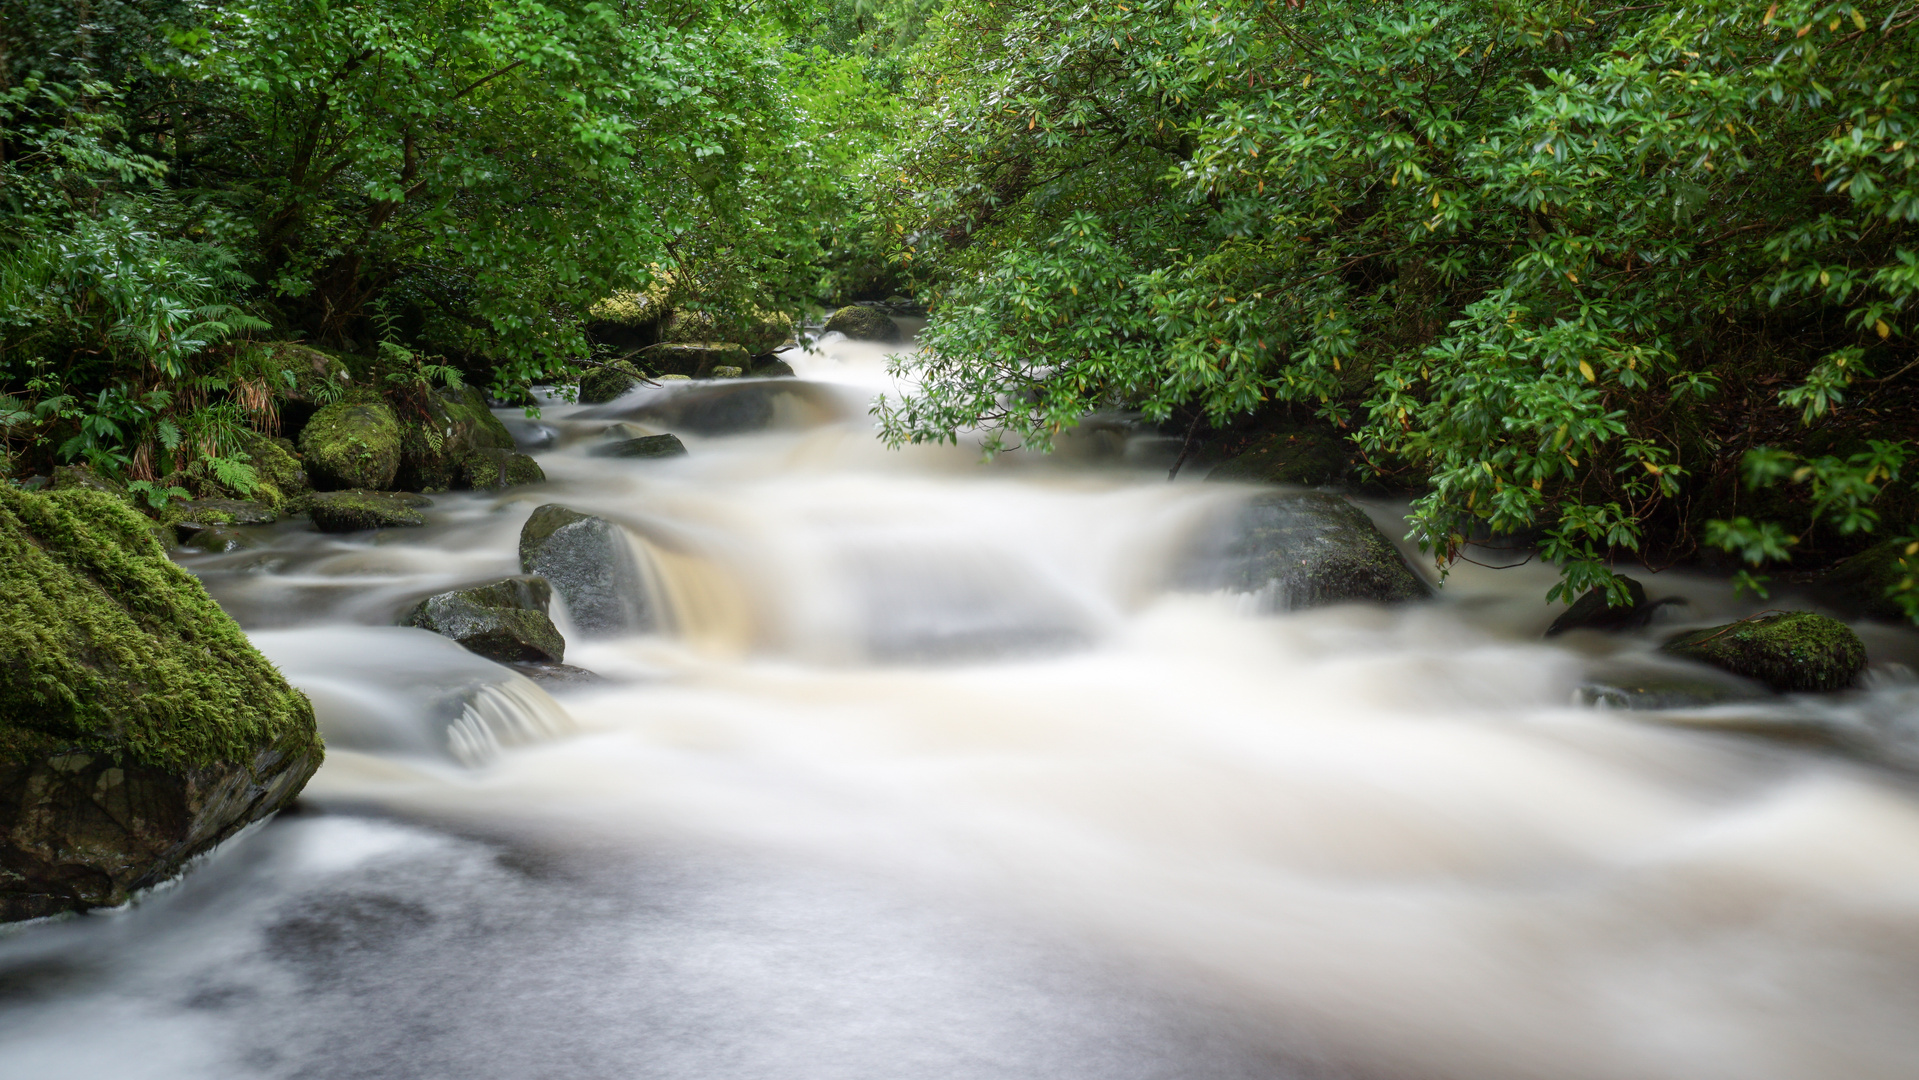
[927, 771]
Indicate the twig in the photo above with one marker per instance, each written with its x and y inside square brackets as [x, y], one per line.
[1186, 447]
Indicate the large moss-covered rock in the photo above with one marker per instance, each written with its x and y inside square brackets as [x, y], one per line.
[1862, 587]
[590, 563]
[758, 331]
[505, 620]
[632, 320]
[282, 478]
[137, 726]
[1306, 457]
[1304, 550]
[490, 469]
[1791, 651]
[358, 510]
[352, 444]
[865, 324]
[305, 379]
[435, 447]
[608, 382]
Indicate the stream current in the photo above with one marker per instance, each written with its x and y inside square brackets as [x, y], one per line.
[924, 770]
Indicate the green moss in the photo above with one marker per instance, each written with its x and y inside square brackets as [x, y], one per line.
[1790, 652]
[352, 444]
[694, 359]
[865, 324]
[358, 510]
[283, 479]
[491, 468]
[603, 384]
[107, 646]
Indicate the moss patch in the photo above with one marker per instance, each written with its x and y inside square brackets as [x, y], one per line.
[108, 647]
[603, 384]
[1790, 652]
[358, 510]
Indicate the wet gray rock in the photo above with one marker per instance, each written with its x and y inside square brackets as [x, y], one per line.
[608, 383]
[1651, 684]
[694, 359]
[1593, 611]
[505, 620]
[556, 678]
[357, 510]
[861, 323]
[1293, 551]
[532, 434]
[736, 408]
[646, 446]
[589, 562]
[771, 367]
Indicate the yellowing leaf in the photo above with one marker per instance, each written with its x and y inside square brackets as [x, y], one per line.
[1770, 12]
[1587, 370]
[1884, 330]
[1824, 279]
[1858, 19]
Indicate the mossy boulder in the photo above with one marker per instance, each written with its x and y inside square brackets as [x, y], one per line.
[860, 323]
[1791, 652]
[758, 331]
[80, 477]
[1304, 550]
[694, 359]
[282, 477]
[357, 510]
[1304, 456]
[1862, 587]
[491, 468]
[589, 562]
[225, 512]
[771, 367]
[606, 383]
[646, 446]
[434, 448]
[505, 620]
[138, 727]
[631, 320]
[352, 444]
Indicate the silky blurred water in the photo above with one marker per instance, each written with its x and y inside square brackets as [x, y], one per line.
[927, 770]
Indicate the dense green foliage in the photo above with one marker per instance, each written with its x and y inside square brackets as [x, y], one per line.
[1611, 281]
[415, 182]
[1564, 266]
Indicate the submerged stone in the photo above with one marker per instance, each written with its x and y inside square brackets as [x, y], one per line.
[1292, 551]
[213, 539]
[354, 511]
[505, 620]
[352, 445]
[138, 728]
[860, 323]
[1593, 611]
[1791, 652]
[647, 446]
[589, 562]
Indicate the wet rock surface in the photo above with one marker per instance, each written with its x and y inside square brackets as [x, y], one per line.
[1651, 685]
[138, 727]
[558, 677]
[491, 469]
[861, 323]
[226, 512]
[503, 620]
[1794, 651]
[1594, 611]
[589, 562]
[646, 446]
[359, 510]
[603, 384]
[734, 408]
[1292, 551]
[694, 359]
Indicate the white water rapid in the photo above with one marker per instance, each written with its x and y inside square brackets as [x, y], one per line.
[926, 772]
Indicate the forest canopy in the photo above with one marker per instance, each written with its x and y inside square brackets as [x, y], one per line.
[1615, 281]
